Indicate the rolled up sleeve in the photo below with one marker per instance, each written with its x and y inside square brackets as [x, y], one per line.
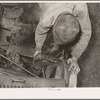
[41, 32]
[83, 18]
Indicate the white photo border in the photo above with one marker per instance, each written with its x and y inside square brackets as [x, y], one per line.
[49, 93]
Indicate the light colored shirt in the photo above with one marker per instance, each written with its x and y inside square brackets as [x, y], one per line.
[49, 14]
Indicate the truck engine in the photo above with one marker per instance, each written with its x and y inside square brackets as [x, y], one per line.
[18, 69]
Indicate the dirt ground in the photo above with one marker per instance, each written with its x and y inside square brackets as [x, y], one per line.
[89, 62]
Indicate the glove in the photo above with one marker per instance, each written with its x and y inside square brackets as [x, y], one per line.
[74, 67]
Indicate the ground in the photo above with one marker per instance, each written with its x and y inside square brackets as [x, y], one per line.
[90, 60]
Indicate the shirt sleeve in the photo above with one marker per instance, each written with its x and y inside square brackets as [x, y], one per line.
[85, 24]
[41, 32]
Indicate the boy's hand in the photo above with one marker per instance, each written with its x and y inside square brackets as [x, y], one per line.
[37, 55]
[73, 65]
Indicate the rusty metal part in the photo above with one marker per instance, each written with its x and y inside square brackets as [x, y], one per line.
[5, 28]
[11, 71]
[57, 55]
[18, 65]
[12, 81]
[13, 12]
[42, 58]
[52, 75]
[65, 71]
[43, 73]
[50, 60]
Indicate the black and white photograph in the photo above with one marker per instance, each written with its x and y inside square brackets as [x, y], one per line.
[49, 45]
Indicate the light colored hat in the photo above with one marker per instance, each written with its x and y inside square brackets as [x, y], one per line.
[65, 29]
[1, 11]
